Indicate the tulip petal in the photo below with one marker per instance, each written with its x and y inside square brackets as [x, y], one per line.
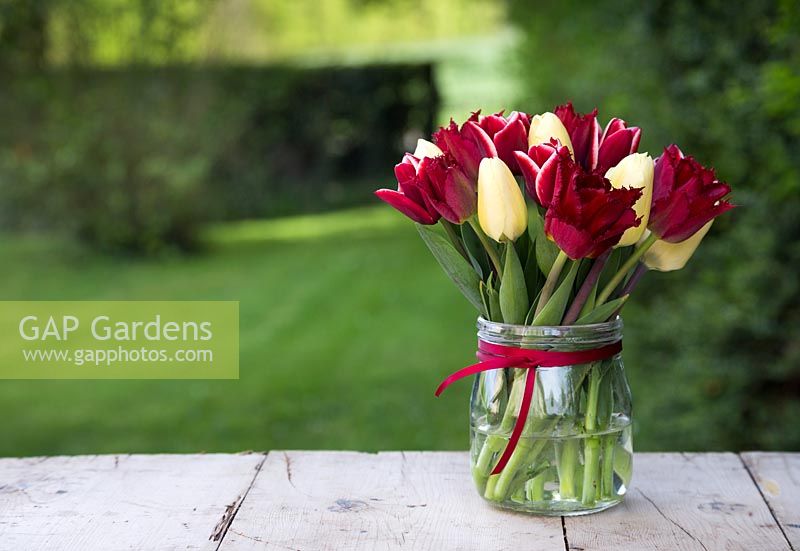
[546, 127]
[663, 256]
[616, 147]
[558, 169]
[447, 189]
[529, 170]
[509, 140]
[481, 138]
[405, 205]
[426, 149]
[502, 212]
[584, 132]
[634, 171]
[492, 124]
[464, 151]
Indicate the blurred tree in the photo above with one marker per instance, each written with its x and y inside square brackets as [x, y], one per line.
[723, 81]
[23, 34]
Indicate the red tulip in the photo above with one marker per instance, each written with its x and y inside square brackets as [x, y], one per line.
[541, 166]
[460, 143]
[596, 152]
[410, 198]
[584, 133]
[686, 196]
[509, 135]
[447, 188]
[618, 141]
[586, 215]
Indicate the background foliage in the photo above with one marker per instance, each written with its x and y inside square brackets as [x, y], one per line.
[139, 158]
[723, 335]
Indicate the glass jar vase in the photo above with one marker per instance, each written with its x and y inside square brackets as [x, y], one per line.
[575, 455]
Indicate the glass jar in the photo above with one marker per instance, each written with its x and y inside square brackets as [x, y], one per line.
[575, 455]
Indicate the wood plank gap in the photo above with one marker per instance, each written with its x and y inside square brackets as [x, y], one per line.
[221, 529]
[769, 505]
[564, 531]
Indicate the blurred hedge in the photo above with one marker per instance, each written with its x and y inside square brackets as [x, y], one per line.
[138, 158]
[714, 352]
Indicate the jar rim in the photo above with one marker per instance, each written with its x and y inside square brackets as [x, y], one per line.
[550, 335]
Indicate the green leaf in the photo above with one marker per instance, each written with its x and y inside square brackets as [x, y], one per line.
[454, 265]
[476, 252]
[513, 293]
[553, 311]
[611, 266]
[588, 306]
[522, 246]
[546, 250]
[487, 313]
[602, 312]
[494, 300]
[533, 278]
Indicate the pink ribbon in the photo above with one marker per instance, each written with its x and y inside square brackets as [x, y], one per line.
[496, 356]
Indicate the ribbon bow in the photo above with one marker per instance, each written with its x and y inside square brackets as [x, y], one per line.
[496, 356]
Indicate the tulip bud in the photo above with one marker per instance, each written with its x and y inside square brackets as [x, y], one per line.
[547, 126]
[426, 149]
[663, 256]
[634, 171]
[502, 212]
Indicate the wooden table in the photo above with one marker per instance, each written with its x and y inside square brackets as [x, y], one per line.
[390, 500]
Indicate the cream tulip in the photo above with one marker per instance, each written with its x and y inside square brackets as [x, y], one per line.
[634, 171]
[426, 149]
[502, 212]
[666, 257]
[547, 126]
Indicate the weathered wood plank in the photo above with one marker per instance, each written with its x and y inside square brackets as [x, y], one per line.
[695, 501]
[353, 501]
[110, 503]
[778, 477]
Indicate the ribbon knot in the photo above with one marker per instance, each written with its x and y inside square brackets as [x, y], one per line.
[496, 356]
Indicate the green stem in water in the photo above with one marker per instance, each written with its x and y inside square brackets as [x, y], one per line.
[491, 250]
[567, 464]
[591, 450]
[534, 488]
[609, 443]
[591, 458]
[624, 269]
[551, 281]
[454, 238]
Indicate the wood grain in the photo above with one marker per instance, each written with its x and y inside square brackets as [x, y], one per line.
[778, 477]
[704, 502]
[110, 503]
[354, 501]
[394, 500]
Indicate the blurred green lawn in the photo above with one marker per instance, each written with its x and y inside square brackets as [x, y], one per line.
[347, 326]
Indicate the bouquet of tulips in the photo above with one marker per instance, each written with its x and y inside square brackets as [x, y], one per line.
[599, 216]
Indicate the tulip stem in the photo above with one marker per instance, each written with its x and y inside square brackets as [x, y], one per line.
[624, 269]
[630, 285]
[454, 238]
[551, 281]
[491, 250]
[588, 284]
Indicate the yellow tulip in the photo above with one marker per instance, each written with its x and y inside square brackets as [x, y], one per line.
[635, 171]
[666, 257]
[426, 149]
[502, 212]
[546, 126]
